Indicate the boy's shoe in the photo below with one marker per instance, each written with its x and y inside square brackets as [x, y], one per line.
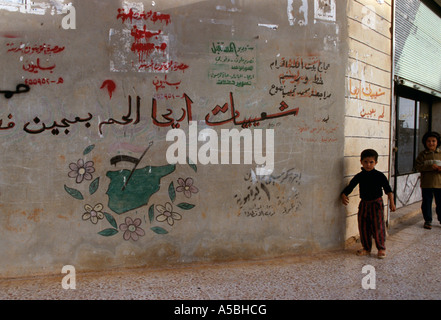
[363, 252]
[381, 254]
[427, 225]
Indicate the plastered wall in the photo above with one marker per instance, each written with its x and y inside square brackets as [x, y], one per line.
[113, 121]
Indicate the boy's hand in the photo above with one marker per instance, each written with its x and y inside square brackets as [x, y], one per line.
[392, 207]
[391, 202]
[344, 199]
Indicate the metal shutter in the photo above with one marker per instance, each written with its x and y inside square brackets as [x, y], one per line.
[418, 46]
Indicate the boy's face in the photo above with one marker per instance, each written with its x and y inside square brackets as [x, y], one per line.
[368, 163]
[431, 143]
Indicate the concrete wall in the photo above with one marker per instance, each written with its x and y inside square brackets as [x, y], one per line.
[368, 92]
[91, 91]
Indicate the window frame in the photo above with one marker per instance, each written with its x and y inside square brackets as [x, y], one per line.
[419, 98]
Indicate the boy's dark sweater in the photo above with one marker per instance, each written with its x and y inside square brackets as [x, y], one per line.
[371, 184]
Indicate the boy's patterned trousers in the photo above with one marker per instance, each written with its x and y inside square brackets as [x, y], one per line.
[371, 224]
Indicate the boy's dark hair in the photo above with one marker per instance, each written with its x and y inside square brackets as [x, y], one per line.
[430, 134]
[369, 153]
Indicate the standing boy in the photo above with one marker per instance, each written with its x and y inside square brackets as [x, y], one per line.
[371, 208]
[428, 163]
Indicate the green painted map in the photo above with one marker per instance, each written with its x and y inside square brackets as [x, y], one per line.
[127, 192]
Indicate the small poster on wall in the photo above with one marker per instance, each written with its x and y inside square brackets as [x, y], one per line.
[325, 10]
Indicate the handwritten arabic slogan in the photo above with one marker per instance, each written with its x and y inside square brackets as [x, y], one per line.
[266, 195]
[37, 125]
[306, 79]
[37, 62]
[364, 92]
[129, 193]
[232, 63]
[228, 113]
[8, 94]
[142, 45]
[300, 77]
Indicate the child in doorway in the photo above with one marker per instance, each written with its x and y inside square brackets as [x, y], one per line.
[428, 163]
[371, 208]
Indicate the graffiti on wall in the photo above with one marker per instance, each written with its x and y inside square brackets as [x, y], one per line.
[129, 193]
[229, 113]
[37, 64]
[232, 63]
[300, 77]
[8, 94]
[266, 196]
[132, 186]
[142, 45]
[362, 91]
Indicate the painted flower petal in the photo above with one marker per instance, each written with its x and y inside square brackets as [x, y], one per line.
[140, 232]
[88, 207]
[100, 215]
[181, 182]
[170, 221]
[134, 236]
[88, 164]
[98, 207]
[189, 182]
[80, 163]
[86, 216]
[161, 218]
[94, 219]
[176, 216]
[123, 227]
[129, 221]
[80, 178]
[72, 174]
[137, 222]
[161, 209]
[90, 169]
[87, 176]
[73, 166]
[126, 235]
[168, 207]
